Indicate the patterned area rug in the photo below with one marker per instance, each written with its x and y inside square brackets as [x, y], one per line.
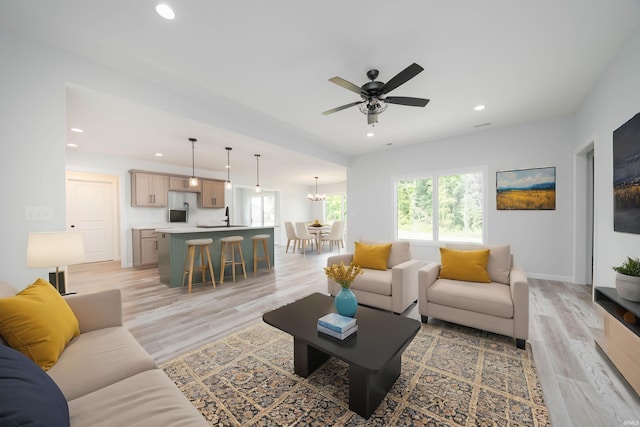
[451, 376]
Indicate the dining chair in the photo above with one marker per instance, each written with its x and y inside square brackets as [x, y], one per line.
[303, 235]
[334, 235]
[291, 236]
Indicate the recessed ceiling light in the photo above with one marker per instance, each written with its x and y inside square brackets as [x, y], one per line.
[77, 130]
[165, 11]
[370, 134]
[158, 154]
[72, 145]
[479, 107]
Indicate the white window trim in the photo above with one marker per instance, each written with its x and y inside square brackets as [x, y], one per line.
[484, 170]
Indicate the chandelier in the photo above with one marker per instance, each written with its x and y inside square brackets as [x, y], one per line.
[316, 197]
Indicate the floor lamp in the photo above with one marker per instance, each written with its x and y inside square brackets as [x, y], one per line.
[55, 249]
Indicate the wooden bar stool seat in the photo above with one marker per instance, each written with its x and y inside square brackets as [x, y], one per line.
[256, 242]
[203, 245]
[231, 244]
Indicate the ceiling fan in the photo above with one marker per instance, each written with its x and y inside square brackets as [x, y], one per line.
[373, 93]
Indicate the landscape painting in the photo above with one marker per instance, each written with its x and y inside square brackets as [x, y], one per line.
[526, 189]
[626, 177]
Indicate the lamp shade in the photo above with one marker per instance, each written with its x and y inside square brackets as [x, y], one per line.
[54, 249]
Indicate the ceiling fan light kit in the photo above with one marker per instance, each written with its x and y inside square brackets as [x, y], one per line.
[374, 100]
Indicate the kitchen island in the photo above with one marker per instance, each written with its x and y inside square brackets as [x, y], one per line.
[172, 250]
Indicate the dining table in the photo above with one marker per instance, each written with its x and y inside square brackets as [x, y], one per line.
[318, 230]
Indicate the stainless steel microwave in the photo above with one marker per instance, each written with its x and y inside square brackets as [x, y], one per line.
[178, 215]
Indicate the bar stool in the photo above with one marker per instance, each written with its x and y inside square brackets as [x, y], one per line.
[233, 244]
[256, 241]
[203, 245]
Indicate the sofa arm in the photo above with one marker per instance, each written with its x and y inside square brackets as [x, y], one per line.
[97, 310]
[404, 284]
[520, 295]
[332, 287]
[427, 276]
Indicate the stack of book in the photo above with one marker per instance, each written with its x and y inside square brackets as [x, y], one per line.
[337, 326]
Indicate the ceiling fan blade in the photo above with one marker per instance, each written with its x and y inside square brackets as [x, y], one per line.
[372, 118]
[333, 110]
[404, 100]
[402, 77]
[347, 85]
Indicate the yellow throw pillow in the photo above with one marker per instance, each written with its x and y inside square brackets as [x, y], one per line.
[38, 322]
[470, 266]
[371, 256]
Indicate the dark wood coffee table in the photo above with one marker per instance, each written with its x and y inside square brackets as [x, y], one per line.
[374, 353]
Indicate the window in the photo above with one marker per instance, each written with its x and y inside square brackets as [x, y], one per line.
[263, 210]
[335, 208]
[441, 207]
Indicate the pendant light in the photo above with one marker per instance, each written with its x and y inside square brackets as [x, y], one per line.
[257, 172]
[193, 181]
[316, 197]
[228, 168]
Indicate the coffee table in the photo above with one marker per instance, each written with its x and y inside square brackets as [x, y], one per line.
[374, 353]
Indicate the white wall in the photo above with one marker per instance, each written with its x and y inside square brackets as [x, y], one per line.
[541, 241]
[613, 101]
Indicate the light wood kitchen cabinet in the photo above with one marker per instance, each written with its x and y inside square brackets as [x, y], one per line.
[212, 195]
[149, 189]
[145, 248]
[181, 183]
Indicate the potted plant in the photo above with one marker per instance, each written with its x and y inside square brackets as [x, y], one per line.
[345, 302]
[628, 279]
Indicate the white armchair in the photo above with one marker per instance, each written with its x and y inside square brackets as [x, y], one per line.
[500, 306]
[394, 289]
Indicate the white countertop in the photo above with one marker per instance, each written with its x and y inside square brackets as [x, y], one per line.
[192, 229]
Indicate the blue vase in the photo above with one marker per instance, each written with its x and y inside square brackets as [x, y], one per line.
[346, 303]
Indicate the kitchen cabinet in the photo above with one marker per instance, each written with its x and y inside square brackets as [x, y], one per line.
[212, 195]
[145, 247]
[149, 189]
[181, 183]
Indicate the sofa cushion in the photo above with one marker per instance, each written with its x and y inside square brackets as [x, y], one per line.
[371, 256]
[99, 358]
[38, 322]
[499, 265]
[400, 251]
[374, 281]
[29, 396]
[464, 265]
[493, 298]
[149, 398]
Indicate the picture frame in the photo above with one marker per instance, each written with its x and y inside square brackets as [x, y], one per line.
[526, 189]
[626, 177]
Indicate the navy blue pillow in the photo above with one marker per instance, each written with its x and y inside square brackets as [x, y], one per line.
[29, 396]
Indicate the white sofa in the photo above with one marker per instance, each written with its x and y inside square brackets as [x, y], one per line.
[106, 376]
[501, 306]
[394, 289]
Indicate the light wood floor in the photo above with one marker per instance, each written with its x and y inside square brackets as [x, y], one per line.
[581, 388]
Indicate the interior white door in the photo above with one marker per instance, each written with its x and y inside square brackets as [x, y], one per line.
[91, 210]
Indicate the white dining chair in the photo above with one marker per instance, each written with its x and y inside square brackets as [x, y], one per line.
[334, 236]
[291, 236]
[303, 235]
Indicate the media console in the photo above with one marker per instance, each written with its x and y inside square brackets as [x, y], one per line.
[620, 340]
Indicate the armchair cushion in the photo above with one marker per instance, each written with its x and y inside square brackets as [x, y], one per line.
[371, 256]
[470, 266]
[493, 298]
[400, 251]
[499, 264]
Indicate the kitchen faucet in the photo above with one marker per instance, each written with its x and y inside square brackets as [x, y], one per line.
[226, 214]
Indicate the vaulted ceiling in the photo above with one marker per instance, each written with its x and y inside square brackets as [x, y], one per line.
[525, 61]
